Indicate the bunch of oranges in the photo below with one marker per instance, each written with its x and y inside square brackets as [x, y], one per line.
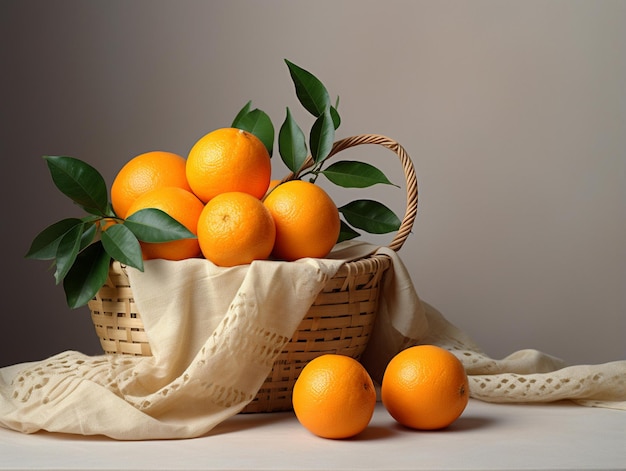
[424, 387]
[223, 193]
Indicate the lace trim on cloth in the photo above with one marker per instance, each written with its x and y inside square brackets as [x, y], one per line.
[45, 382]
[567, 383]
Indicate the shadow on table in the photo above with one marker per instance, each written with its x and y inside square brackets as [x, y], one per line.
[249, 421]
[462, 424]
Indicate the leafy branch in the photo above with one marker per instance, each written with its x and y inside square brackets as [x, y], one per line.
[367, 215]
[82, 248]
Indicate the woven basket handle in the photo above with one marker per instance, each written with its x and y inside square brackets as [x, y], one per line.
[409, 174]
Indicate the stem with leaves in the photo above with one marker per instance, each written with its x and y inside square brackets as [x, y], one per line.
[82, 248]
[368, 215]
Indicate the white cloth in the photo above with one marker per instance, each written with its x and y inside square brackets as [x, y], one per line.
[214, 333]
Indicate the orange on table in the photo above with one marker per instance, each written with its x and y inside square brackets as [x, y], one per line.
[235, 228]
[183, 206]
[227, 160]
[334, 396]
[145, 172]
[307, 220]
[425, 387]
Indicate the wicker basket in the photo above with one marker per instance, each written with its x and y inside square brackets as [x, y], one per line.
[339, 321]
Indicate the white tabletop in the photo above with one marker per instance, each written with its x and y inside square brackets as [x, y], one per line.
[487, 436]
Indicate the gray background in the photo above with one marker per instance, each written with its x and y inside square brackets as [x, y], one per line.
[513, 112]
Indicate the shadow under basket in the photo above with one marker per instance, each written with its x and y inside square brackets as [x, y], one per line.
[339, 321]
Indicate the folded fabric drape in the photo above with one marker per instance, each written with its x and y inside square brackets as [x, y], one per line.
[214, 333]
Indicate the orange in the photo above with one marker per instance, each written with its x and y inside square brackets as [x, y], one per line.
[105, 223]
[226, 160]
[307, 220]
[425, 387]
[334, 396]
[235, 228]
[143, 173]
[183, 206]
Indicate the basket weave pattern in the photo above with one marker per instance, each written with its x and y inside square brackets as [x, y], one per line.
[116, 318]
[339, 321]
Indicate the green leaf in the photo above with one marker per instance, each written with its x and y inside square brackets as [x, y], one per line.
[258, 123]
[45, 244]
[371, 216]
[88, 235]
[322, 136]
[346, 233]
[122, 245]
[242, 112]
[335, 115]
[352, 174]
[154, 225]
[292, 144]
[80, 182]
[310, 91]
[68, 249]
[87, 275]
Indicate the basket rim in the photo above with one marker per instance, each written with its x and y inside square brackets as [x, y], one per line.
[367, 264]
[373, 263]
